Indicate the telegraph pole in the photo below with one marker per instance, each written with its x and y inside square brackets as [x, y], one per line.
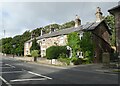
[4, 32]
[3, 24]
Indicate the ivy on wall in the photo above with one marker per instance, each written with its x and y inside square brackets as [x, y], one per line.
[74, 42]
[85, 45]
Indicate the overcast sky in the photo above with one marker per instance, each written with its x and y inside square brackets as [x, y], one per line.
[17, 17]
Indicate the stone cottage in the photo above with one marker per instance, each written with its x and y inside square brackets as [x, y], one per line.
[116, 12]
[100, 36]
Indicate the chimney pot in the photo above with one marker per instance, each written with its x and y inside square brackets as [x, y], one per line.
[41, 32]
[77, 21]
[52, 29]
[98, 14]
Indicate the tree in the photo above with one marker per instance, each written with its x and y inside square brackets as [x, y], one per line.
[35, 54]
[67, 25]
[35, 49]
[37, 31]
[35, 45]
[18, 50]
[6, 45]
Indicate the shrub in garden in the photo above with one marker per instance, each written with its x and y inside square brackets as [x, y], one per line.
[63, 58]
[35, 54]
[86, 60]
[76, 61]
[54, 52]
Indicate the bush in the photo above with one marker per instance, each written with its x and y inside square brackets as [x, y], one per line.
[63, 55]
[35, 53]
[66, 60]
[54, 52]
[63, 58]
[86, 60]
[76, 61]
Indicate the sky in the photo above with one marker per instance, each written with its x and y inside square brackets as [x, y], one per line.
[17, 17]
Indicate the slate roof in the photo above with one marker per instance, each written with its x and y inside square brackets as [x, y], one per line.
[114, 9]
[85, 27]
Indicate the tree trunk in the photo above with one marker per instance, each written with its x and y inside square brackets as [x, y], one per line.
[35, 59]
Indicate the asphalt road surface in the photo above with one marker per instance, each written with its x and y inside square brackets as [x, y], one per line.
[14, 72]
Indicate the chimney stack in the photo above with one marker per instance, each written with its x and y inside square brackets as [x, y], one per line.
[77, 21]
[52, 29]
[41, 33]
[98, 14]
[32, 35]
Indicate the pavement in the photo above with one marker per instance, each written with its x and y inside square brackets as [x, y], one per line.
[98, 67]
[15, 72]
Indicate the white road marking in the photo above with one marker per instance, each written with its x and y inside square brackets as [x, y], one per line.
[10, 65]
[5, 81]
[39, 75]
[12, 72]
[18, 80]
[6, 67]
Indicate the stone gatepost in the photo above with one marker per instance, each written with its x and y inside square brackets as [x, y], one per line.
[106, 59]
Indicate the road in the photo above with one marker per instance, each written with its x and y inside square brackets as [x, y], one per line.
[15, 72]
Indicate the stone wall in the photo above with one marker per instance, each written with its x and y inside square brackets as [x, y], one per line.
[117, 26]
[52, 41]
[101, 45]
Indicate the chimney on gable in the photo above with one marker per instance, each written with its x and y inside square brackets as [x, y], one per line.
[52, 29]
[98, 14]
[77, 21]
[41, 32]
[32, 35]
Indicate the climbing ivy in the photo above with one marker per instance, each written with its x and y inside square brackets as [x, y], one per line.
[74, 42]
[85, 45]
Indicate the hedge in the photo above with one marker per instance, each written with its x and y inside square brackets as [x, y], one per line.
[54, 52]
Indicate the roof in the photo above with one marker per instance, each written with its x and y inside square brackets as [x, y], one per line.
[85, 27]
[112, 10]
